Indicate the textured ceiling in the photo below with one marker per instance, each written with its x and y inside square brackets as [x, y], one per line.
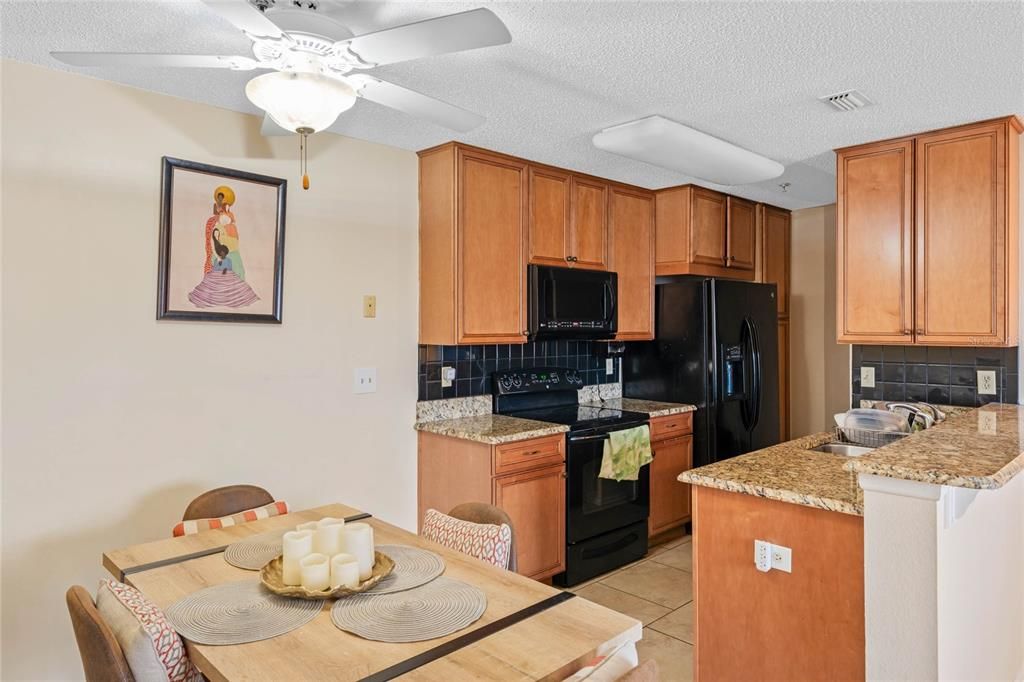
[750, 73]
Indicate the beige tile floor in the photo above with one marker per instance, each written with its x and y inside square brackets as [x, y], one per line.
[658, 591]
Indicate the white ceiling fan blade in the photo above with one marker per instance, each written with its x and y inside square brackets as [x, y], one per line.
[414, 103]
[195, 61]
[271, 129]
[247, 18]
[451, 33]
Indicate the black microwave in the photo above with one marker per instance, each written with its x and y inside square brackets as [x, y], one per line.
[569, 303]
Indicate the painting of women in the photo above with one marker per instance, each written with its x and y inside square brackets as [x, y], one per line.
[222, 241]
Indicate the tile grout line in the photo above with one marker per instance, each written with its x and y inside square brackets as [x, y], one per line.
[617, 589]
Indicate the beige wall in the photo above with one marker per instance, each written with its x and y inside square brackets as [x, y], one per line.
[112, 421]
[819, 367]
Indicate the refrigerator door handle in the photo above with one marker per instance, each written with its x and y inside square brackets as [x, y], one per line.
[756, 367]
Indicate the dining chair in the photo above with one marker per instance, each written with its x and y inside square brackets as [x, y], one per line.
[480, 512]
[226, 501]
[102, 657]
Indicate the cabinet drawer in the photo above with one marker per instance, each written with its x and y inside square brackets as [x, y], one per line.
[527, 454]
[671, 426]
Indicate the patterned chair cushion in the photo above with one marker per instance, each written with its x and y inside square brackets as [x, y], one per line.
[199, 525]
[153, 649]
[484, 541]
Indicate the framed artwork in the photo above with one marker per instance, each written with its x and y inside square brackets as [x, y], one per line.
[221, 244]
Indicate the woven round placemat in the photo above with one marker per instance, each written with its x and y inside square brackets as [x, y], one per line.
[238, 612]
[413, 567]
[255, 552]
[439, 608]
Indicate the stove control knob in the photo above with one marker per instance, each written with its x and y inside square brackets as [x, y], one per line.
[517, 380]
[505, 382]
[554, 378]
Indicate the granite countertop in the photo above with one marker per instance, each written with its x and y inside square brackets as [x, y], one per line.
[651, 408]
[788, 472]
[979, 449]
[492, 429]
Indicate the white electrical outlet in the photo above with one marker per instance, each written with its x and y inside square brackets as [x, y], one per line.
[867, 377]
[365, 380]
[447, 376]
[763, 555]
[987, 423]
[609, 366]
[782, 558]
[986, 382]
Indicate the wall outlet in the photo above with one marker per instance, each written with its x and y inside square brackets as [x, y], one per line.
[365, 380]
[369, 306]
[609, 366]
[447, 376]
[763, 555]
[782, 558]
[867, 377]
[987, 423]
[986, 382]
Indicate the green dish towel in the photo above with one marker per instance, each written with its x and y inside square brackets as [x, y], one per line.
[625, 452]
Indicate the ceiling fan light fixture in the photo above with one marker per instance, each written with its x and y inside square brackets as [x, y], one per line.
[301, 100]
[661, 142]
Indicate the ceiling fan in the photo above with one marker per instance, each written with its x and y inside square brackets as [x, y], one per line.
[317, 66]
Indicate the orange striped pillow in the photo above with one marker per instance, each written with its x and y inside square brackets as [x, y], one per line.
[199, 525]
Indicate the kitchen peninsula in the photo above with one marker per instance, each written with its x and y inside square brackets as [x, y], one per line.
[905, 562]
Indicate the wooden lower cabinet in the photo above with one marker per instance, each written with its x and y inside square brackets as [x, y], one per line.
[525, 478]
[672, 446]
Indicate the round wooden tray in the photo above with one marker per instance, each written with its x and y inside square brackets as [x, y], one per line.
[273, 579]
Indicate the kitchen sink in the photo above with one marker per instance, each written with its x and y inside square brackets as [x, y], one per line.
[843, 449]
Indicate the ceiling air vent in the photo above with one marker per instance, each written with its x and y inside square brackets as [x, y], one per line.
[847, 100]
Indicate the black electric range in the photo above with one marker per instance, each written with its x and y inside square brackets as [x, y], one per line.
[605, 520]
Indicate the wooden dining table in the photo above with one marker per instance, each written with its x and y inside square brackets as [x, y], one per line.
[529, 631]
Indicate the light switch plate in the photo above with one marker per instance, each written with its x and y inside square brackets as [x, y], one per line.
[986, 382]
[867, 377]
[365, 380]
[609, 366]
[369, 306]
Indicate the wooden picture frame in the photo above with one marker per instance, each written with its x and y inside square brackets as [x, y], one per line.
[210, 218]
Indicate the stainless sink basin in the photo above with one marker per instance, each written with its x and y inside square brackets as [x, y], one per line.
[843, 449]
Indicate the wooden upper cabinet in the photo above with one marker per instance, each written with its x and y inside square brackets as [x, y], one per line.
[549, 216]
[773, 258]
[708, 228]
[632, 228]
[741, 227]
[589, 233]
[874, 243]
[964, 249]
[472, 236]
[927, 238]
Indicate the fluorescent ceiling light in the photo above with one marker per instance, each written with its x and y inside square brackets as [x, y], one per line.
[661, 142]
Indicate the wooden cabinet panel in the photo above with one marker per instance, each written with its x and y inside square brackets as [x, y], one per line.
[874, 243]
[529, 454]
[741, 229]
[961, 236]
[632, 229]
[492, 207]
[549, 216]
[535, 501]
[589, 221]
[774, 257]
[670, 499]
[783, 379]
[707, 227]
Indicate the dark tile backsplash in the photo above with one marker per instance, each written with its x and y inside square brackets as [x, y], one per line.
[474, 365]
[946, 376]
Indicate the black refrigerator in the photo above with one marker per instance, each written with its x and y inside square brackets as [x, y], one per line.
[716, 347]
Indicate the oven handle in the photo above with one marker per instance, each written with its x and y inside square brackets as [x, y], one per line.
[582, 439]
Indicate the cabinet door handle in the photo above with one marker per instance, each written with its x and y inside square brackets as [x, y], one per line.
[732, 258]
[565, 475]
[571, 259]
[525, 332]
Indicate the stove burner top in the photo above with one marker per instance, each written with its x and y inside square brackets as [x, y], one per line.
[579, 417]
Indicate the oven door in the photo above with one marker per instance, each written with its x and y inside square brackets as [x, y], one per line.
[571, 303]
[598, 505]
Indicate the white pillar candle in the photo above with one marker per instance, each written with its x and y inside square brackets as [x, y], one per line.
[327, 538]
[298, 544]
[344, 571]
[306, 526]
[316, 572]
[359, 543]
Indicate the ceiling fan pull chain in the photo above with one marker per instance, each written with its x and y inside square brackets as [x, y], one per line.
[303, 158]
